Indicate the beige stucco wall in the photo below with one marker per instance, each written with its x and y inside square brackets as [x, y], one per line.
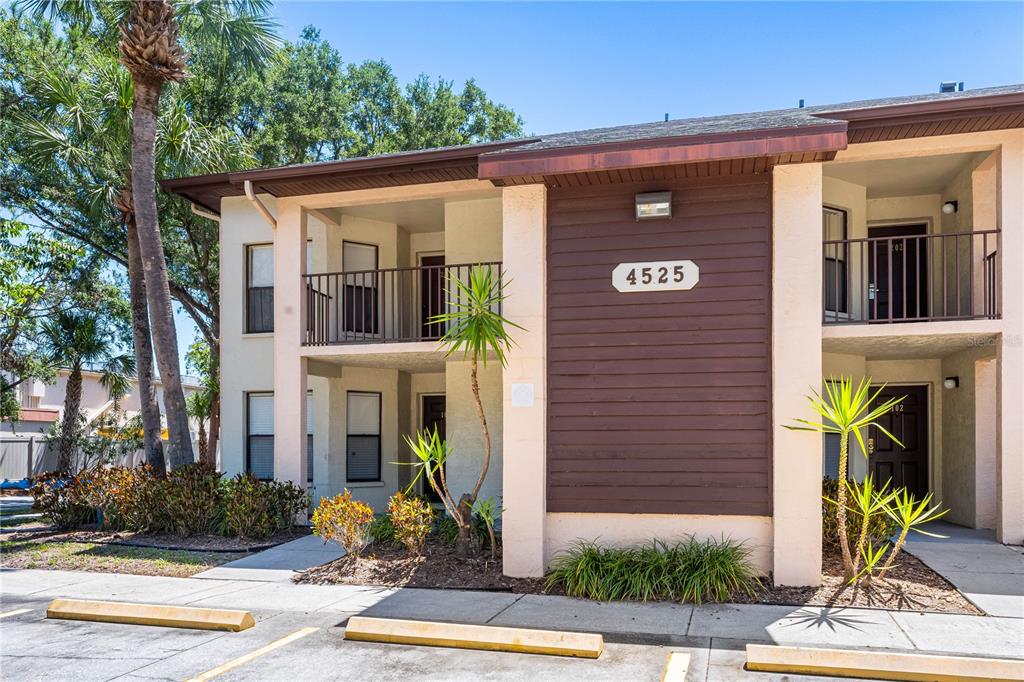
[464, 438]
[621, 530]
[796, 365]
[472, 231]
[852, 198]
[986, 385]
[246, 359]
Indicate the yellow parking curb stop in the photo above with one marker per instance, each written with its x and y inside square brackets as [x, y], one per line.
[150, 614]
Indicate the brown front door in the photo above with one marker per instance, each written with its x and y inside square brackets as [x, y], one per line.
[908, 465]
[433, 417]
[431, 295]
[898, 272]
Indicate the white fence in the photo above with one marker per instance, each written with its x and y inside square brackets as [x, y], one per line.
[26, 456]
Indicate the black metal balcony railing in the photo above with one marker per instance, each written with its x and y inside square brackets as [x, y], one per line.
[382, 306]
[919, 278]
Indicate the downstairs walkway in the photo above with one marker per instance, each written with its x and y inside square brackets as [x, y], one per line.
[664, 624]
[990, 574]
[277, 564]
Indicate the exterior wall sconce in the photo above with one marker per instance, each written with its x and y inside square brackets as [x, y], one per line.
[951, 382]
[653, 205]
[950, 207]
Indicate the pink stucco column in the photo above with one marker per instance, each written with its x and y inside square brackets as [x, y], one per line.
[289, 365]
[524, 393]
[796, 368]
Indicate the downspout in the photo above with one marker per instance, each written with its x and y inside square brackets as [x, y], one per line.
[251, 196]
[205, 214]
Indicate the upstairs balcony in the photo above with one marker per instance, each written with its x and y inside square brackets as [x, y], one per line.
[391, 305]
[911, 277]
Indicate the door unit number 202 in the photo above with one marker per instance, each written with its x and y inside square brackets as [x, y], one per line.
[667, 275]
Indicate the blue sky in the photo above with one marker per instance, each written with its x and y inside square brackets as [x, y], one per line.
[569, 66]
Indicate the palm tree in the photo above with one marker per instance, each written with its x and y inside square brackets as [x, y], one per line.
[150, 49]
[198, 405]
[846, 410]
[474, 325]
[76, 340]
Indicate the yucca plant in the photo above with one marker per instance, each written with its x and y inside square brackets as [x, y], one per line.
[868, 503]
[846, 409]
[910, 514]
[489, 510]
[475, 327]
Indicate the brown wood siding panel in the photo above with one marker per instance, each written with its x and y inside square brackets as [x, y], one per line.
[660, 402]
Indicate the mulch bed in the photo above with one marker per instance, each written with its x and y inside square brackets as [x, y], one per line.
[438, 567]
[908, 586]
[201, 543]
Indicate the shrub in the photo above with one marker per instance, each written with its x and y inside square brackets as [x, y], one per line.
[381, 532]
[192, 499]
[689, 571]
[411, 518]
[60, 499]
[287, 501]
[97, 486]
[880, 526]
[247, 509]
[139, 500]
[343, 520]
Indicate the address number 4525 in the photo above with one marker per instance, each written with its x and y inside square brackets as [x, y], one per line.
[656, 276]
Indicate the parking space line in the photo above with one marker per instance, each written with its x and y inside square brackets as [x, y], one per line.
[15, 612]
[242, 660]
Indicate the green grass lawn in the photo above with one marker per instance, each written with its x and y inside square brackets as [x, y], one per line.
[84, 556]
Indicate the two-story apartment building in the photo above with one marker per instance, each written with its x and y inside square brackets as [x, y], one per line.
[681, 286]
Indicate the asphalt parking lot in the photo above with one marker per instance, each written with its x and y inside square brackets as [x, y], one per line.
[292, 646]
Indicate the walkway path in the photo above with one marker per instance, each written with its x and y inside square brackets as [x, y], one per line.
[654, 623]
[990, 574]
[277, 564]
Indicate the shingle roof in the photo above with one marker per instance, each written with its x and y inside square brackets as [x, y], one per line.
[761, 120]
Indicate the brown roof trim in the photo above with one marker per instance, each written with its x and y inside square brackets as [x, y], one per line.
[826, 137]
[984, 105]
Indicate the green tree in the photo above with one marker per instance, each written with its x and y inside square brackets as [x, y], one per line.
[36, 282]
[150, 49]
[200, 404]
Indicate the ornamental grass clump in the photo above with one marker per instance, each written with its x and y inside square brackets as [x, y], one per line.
[343, 520]
[411, 518]
[691, 570]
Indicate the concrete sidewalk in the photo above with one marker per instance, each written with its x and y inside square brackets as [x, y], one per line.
[988, 573]
[277, 564]
[654, 623]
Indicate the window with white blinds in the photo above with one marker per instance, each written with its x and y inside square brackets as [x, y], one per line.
[260, 435]
[363, 442]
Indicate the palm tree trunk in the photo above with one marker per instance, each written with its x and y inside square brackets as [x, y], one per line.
[144, 117]
[203, 445]
[467, 542]
[148, 405]
[69, 427]
[844, 541]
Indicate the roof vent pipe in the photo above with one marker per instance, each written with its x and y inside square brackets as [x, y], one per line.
[951, 86]
[801, 104]
[260, 206]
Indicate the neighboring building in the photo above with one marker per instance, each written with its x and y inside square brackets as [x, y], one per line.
[662, 356]
[43, 404]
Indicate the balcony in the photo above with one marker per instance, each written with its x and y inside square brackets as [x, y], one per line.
[912, 278]
[382, 306]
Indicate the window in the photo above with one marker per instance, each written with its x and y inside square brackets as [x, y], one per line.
[309, 437]
[259, 291]
[259, 449]
[363, 442]
[359, 314]
[833, 222]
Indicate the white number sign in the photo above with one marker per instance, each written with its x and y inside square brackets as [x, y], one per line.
[666, 275]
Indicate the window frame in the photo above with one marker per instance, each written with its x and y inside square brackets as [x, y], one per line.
[247, 288]
[378, 436]
[248, 430]
[841, 304]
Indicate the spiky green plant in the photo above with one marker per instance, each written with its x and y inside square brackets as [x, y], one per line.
[846, 409]
[476, 328]
[489, 510]
[910, 514]
[868, 503]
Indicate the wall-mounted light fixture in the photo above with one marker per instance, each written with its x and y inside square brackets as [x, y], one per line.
[653, 205]
[951, 382]
[950, 207]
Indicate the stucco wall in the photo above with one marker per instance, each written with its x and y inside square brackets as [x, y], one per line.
[472, 231]
[958, 438]
[464, 428]
[246, 359]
